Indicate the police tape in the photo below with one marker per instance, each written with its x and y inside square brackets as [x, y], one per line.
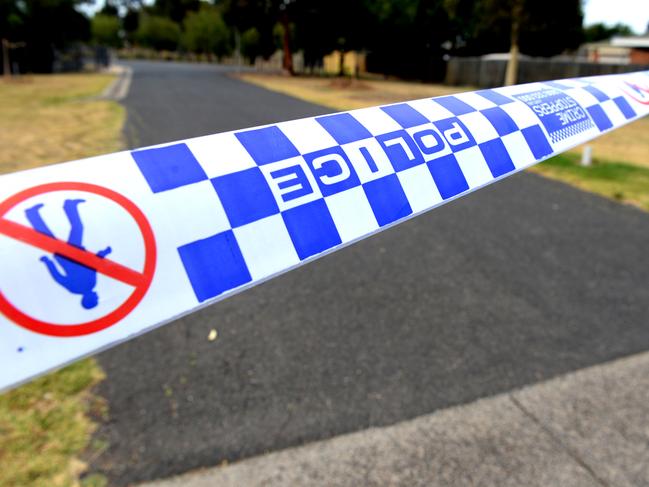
[97, 251]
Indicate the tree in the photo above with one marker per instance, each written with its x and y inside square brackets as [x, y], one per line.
[44, 26]
[261, 15]
[405, 37]
[176, 10]
[158, 32]
[105, 30]
[11, 20]
[602, 32]
[511, 73]
[206, 32]
[311, 32]
[110, 8]
[462, 23]
[131, 23]
[542, 32]
[284, 28]
[322, 26]
[250, 44]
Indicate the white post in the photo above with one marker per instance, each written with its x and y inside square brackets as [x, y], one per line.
[587, 156]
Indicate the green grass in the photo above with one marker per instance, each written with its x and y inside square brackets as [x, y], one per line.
[622, 182]
[45, 424]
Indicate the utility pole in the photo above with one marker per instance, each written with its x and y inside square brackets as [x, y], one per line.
[512, 63]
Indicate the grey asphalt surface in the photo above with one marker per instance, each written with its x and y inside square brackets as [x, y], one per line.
[582, 429]
[522, 281]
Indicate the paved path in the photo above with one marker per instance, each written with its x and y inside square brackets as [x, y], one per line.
[586, 429]
[520, 282]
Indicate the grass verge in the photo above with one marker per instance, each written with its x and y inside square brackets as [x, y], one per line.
[45, 425]
[626, 181]
[623, 182]
[629, 143]
[347, 94]
[56, 118]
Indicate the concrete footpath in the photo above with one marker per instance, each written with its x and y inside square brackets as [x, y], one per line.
[587, 428]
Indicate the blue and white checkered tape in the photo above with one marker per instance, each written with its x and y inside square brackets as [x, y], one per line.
[231, 210]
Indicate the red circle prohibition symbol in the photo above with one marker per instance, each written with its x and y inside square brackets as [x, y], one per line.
[140, 281]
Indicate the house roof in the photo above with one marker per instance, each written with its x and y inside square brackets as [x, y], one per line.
[632, 41]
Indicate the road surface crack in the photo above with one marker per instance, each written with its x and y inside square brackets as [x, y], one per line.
[557, 439]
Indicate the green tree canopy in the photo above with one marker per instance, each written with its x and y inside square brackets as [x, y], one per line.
[206, 32]
[158, 32]
[603, 32]
[105, 30]
[250, 44]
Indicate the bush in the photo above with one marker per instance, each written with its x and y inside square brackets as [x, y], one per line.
[105, 30]
[159, 33]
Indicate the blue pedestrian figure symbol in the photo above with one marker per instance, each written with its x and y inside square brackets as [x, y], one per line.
[76, 278]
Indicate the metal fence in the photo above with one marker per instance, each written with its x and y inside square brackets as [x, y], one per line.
[479, 72]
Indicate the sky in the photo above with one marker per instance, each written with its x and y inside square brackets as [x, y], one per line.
[634, 13]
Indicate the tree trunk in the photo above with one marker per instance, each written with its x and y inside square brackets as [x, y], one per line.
[511, 73]
[288, 56]
[6, 66]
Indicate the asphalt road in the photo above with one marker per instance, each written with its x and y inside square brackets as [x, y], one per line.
[519, 282]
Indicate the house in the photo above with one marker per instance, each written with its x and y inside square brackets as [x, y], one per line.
[618, 50]
[604, 52]
[637, 46]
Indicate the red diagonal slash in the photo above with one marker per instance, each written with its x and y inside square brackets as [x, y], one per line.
[640, 89]
[54, 246]
[139, 281]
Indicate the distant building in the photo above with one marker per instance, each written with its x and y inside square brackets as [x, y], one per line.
[638, 47]
[619, 50]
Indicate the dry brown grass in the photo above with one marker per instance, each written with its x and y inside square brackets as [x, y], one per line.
[348, 94]
[628, 144]
[54, 118]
